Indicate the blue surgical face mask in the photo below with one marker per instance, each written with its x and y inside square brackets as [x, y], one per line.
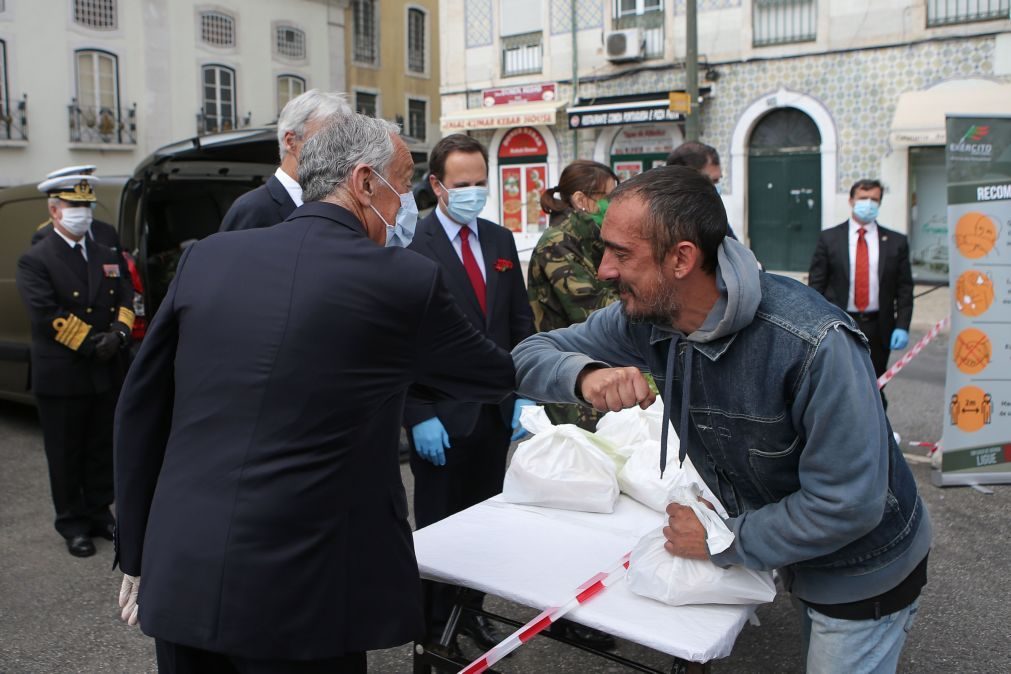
[463, 204]
[866, 210]
[401, 233]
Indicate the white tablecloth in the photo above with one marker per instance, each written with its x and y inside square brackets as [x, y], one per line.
[538, 556]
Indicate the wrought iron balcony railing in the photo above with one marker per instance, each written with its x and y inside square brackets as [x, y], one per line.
[207, 124]
[14, 119]
[102, 124]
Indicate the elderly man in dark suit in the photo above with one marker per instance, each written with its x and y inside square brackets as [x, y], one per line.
[863, 268]
[274, 200]
[80, 306]
[460, 448]
[257, 469]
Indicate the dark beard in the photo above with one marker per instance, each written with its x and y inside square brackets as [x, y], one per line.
[662, 308]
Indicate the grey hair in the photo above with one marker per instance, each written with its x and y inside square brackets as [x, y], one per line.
[329, 157]
[313, 104]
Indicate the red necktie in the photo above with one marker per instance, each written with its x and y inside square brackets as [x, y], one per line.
[470, 266]
[862, 281]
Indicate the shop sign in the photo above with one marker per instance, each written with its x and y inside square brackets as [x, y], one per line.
[522, 143]
[527, 93]
[643, 140]
[600, 116]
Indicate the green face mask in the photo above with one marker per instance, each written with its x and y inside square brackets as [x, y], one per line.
[598, 217]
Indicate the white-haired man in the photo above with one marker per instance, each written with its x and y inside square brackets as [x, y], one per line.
[257, 476]
[274, 200]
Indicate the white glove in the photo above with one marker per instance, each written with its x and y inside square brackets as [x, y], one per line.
[128, 599]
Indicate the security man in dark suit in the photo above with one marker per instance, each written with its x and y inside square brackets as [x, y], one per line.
[102, 232]
[273, 201]
[257, 472]
[460, 448]
[863, 268]
[79, 304]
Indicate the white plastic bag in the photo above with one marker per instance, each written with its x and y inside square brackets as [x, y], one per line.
[561, 467]
[629, 428]
[655, 573]
[640, 476]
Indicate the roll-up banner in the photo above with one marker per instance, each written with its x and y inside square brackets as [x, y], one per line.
[977, 412]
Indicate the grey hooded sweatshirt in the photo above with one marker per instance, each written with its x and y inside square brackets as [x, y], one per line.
[841, 489]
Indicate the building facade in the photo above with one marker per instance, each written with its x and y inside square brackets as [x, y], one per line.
[392, 56]
[106, 82]
[800, 97]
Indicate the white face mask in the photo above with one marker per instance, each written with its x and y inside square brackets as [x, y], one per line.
[401, 233]
[76, 220]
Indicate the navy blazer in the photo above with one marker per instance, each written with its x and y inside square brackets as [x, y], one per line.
[830, 275]
[258, 489]
[68, 304]
[508, 322]
[264, 206]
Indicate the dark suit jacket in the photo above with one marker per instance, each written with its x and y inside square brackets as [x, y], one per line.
[257, 472]
[264, 206]
[508, 322]
[67, 309]
[830, 275]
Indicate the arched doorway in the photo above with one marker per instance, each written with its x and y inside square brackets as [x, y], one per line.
[784, 189]
[523, 176]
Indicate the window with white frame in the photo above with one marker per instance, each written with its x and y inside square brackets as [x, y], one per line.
[95, 14]
[288, 87]
[521, 37]
[219, 98]
[217, 29]
[365, 39]
[417, 118]
[289, 42]
[948, 12]
[784, 22]
[648, 16]
[366, 103]
[416, 61]
[97, 82]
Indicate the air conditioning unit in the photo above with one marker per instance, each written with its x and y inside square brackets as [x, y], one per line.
[625, 45]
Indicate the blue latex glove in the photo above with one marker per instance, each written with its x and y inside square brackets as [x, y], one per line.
[518, 431]
[430, 441]
[900, 338]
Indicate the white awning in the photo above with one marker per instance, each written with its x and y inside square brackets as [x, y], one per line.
[499, 116]
[919, 115]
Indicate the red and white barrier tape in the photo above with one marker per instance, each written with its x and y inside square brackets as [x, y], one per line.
[904, 361]
[584, 593]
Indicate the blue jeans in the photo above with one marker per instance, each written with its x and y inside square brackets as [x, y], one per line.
[836, 646]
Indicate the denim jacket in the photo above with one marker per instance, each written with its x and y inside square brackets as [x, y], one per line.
[781, 416]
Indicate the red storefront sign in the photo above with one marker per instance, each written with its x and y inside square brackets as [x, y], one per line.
[522, 143]
[527, 93]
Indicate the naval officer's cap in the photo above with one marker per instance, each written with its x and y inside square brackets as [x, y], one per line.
[82, 170]
[73, 188]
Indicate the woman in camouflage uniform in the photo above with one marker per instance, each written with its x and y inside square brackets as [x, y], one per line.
[562, 279]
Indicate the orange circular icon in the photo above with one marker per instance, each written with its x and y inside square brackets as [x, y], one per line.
[973, 293]
[972, 351]
[975, 235]
[970, 409]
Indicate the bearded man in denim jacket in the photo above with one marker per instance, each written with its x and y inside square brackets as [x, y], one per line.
[766, 381]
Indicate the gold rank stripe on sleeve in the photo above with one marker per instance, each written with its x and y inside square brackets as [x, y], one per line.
[126, 317]
[71, 331]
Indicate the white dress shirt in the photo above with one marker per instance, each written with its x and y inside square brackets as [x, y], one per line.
[72, 243]
[291, 186]
[871, 236]
[453, 228]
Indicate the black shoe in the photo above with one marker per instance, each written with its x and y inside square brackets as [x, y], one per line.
[80, 546]
[480, 629]
[452, 651]
[584, 636]
[106, 530]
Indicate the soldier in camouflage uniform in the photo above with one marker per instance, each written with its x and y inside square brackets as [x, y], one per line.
[562, 281]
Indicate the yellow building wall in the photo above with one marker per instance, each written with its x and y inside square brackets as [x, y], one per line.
[390, 78]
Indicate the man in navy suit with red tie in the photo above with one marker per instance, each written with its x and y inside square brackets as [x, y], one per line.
[460, 449]
[863, 268]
